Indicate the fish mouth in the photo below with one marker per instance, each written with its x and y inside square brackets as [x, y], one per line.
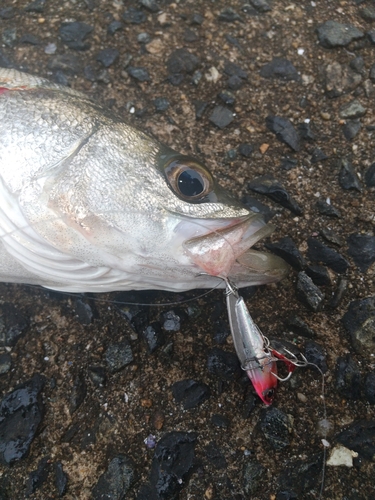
[227, 253]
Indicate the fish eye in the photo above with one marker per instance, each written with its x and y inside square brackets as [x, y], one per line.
[190, 180]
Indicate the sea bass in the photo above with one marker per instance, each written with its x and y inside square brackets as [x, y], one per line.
[91, 204]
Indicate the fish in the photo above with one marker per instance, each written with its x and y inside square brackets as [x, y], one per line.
[89, 203]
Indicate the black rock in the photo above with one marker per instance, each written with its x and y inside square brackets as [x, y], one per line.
[308, 293]
[97, 375]
[360, 437]
[280, 68]
[229, 15]
[5, 62]
[318, 155]
[246, 150]
[235, 82]
[369, 388]
[138, 316]
[331, 236]
[220, 421]
[9, 36]
[352, 110]
[232, 69]
[172, 462]
[215, 456]
[37, 477]
[348, 377]
[161, 104]
[69, 63]
[7, 12]
[333, 34]
[287, 249]
[288, 163]
[276, 427]
[300, 327]
[273, 189]
[318, 252]
[227, 97]
[139, 73]
[327, 209]
[74, 33]
[300, 479]
[197, 19]
[305, 131]
[261, 5]
[258, 207]
[83, 311]
[348, 178]
[181, 61]
[339, 293]
[134, 16]
[13, 325]
[116, 481]
[190, 392]
[220, 331]
[150, 5]
[61, 479]
[314, 353]
[362, 250]
[21, 412]
[176, 79]
[368, 13]
[78, 394]
[36, 6]
[223, 364]
[253, 476]
[30, 39]
[357, 63]
[154, 336]
[60, 78]
[5, 363]
[114, 26]
[371, 36]
[351, 129]
[370, 176]
[118, 355]
[200, 107]
[319, 275]
[221, 116]
[359, 321]
[171, 320]
[284, 130]
[108, 56]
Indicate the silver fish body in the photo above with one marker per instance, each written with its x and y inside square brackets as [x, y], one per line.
[89, 203]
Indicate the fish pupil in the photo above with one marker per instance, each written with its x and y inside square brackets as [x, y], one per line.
[190, 183]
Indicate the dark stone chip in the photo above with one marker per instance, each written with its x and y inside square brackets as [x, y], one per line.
[333, 34]
[308, 293]
[74, 33]
[275, 426]
[223, 364]
[300, 327]
[258, 207]
[235, 82]
[351, 129]
[61, 479]
[118, 355]
[357, 63]
[314, 353]
[182, 61]
[84, 313]
[370, 176]
[280, 68]
[171, 320]
[220, 421]
[253, 475]
[339, 293]
[150, 5]
[37, 477]
[348, 377]
[154, 336]
[78, 394]
[319, 275]
[173, 460]
[360, 437]
[7, 13]
[229, 15]
[200, 107]
[190, 392]
[368, 13]
[305, 131]
[60, 78]
[327, 209]
[245, 150]
[216, 456]
[369, 388]
[9, 36]
[138, 316]
[284, 131]
[114, 26]
[261, 5]
[161, 104]
[362, 250]
[190, 36]
[332, 237]
[108, 56]
[36, 6]
[299, 479]
[348, 179]
[134, 16]
[286, 249]
[4, 61]
[30, 39]
[288, 163]
[273, 189]
[232, 69]
[227, 97]
[13, 325]
[318, 155]
[197, 19]
[221, 116]
[318, 252]
[69, 63]
[359, 321]
[139, 73]
[21, 412]
[97, 375]
[116, 481]
[5, 363]
[371, 36]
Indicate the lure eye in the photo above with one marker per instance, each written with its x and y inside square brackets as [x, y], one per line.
[189, 180]
[269, 395]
